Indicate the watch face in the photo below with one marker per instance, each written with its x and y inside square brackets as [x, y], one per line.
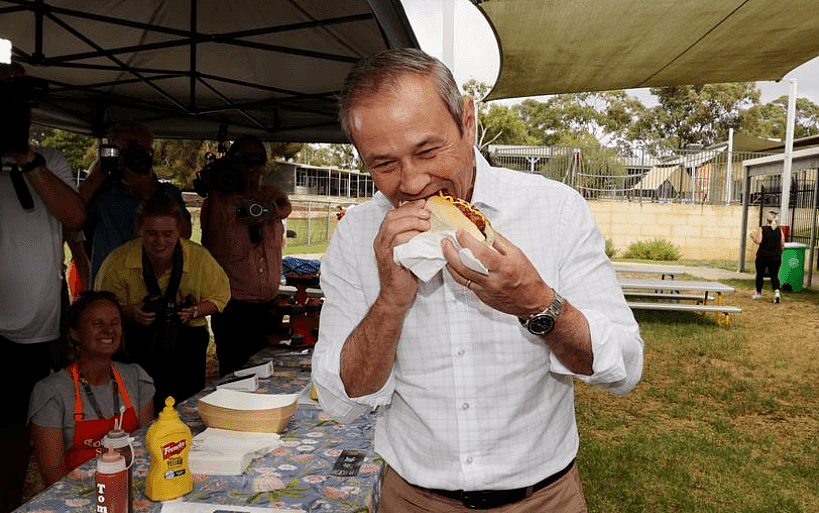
[541, 324]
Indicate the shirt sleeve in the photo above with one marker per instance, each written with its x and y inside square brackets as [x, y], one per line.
[589, 282]
[345, 304]
[46, 408]
[215, 285]
[58, 165]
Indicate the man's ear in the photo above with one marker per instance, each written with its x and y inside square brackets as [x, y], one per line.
[470, 128]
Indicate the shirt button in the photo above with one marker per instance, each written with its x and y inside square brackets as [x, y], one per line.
[461, 352]
[465, 406]
[469, 459]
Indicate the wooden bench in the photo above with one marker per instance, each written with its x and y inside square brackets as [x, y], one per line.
[673, 291]
[663, 271]
[723, 312]
[666, 295]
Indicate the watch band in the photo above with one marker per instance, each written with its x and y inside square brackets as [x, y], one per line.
[38, 161]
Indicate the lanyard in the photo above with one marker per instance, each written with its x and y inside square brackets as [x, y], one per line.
[151, 282]
[90, 394]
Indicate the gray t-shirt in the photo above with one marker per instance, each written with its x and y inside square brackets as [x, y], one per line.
[52, 400]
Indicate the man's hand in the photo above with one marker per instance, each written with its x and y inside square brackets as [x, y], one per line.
[398, 284]
[512, 286]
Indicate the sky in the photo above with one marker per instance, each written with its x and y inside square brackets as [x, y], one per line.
[476, 53]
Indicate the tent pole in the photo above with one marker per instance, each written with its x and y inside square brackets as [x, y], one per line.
[448, 52]
[786, 169]
[730, 163]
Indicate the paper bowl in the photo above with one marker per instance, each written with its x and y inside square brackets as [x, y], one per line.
[245, 411]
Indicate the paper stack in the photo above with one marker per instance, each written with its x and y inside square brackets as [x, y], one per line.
[249, 384]
[222, 452]
[264, 370]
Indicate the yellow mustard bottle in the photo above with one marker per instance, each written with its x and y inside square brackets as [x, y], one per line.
[168, 441]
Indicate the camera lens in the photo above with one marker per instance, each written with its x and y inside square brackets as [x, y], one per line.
[255, 210]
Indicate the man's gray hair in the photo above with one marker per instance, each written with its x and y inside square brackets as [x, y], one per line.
[379, 71]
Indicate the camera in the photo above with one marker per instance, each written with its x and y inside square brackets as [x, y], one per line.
[218, 174]
[136, 158]
[18, 94]
[109, 160]
[167, 312]
[252, 210]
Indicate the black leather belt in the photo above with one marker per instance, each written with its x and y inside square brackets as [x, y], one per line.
[488, 499]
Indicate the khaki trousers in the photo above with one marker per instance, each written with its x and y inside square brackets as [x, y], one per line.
[563, 496]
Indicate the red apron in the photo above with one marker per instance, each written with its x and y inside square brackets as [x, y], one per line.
[88, 434]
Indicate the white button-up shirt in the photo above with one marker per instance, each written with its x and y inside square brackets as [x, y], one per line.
[475, 402]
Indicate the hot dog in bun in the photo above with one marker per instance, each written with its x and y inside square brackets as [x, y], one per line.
[450, 213]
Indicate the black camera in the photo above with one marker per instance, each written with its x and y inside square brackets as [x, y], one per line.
[219, 175]
[18, 94]
[136, 158]
[167, 312]
[252, 210]
[109, 160]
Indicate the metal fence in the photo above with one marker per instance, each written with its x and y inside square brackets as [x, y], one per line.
[312, 221]
[711, 176]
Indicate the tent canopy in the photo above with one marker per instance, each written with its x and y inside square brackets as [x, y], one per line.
[559, 46]
[270, 68]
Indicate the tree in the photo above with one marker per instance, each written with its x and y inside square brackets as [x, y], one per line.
[74, 147]
[606, 118]
[697, 114]
[342, 156]
[497, 124]
[770, 119]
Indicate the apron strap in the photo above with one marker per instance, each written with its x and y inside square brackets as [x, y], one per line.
[122, 390]
[75, 375]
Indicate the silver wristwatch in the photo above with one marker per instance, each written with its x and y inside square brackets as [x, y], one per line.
[542, 323]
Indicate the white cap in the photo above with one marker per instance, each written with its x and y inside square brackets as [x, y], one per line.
[110, 462]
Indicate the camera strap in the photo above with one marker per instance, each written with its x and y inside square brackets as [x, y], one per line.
[20, 188]
[151, 282]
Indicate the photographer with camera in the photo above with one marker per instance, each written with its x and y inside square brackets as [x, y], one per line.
[242, 227]
[167, 286]
[37, 202]
[121, 178]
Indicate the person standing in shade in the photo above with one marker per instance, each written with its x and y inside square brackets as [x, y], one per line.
[38, 205]
[249, 249]
[113, 198]
[771, 240]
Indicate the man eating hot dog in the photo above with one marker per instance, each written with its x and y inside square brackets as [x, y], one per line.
[471, 373]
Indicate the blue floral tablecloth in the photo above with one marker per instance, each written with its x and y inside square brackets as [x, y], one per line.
[296, 475]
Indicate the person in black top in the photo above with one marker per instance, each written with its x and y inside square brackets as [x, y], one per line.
[771, 240]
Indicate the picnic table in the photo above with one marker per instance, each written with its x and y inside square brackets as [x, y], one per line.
[637, 268]
[301, 475]
[671, 295]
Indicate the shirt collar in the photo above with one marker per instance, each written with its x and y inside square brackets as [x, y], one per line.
[486, 192]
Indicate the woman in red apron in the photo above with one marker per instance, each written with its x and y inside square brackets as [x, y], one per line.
[96, 327]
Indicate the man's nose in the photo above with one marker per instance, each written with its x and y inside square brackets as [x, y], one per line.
[414, 179]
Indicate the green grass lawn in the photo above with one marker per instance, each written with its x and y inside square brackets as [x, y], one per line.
[724, 419]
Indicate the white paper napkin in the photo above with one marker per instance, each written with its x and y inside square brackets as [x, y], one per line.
[424, 256]
[223, 452]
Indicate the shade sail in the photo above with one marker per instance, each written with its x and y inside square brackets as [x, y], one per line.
[266, 67]
[564, 46]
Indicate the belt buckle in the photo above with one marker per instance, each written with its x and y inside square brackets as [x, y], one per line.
[486, 499]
